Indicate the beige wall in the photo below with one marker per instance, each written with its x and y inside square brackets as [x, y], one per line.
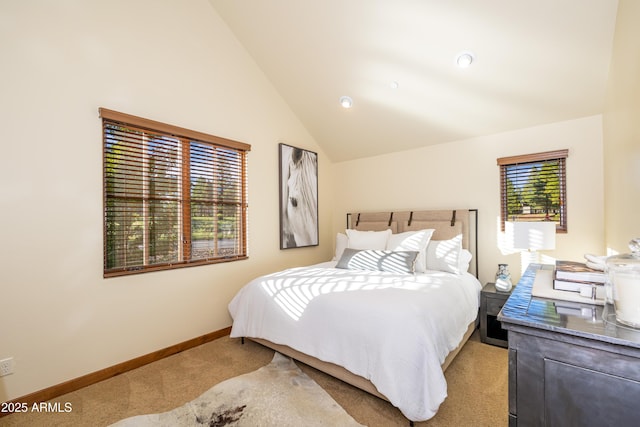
[172, 61]
[622, 132]
[464, 174]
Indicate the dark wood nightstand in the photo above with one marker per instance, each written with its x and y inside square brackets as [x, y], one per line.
[491, 302]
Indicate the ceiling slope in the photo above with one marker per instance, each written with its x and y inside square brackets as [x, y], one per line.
[536, 62]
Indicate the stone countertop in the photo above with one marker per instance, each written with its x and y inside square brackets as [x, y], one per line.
[578, 319]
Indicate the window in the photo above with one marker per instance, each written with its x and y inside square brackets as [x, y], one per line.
[172, 197]
[533, 188]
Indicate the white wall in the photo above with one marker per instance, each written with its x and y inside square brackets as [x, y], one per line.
[171, 61]
[622, 132]
[464, 174]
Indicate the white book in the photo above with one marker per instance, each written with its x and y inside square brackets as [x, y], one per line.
[543, 287]
[573, 285]
[578, 271]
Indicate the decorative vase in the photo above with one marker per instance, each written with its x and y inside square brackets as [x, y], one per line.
[503, 278]
[624, 279]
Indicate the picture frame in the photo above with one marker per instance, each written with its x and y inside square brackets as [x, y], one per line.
[298, 169]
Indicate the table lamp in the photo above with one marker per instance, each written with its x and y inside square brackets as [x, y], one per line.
[532, 236]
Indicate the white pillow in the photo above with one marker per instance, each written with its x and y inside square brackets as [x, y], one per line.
[444, 255]
[342, 241]
[412, 241]
[368, 239]
[465, 259]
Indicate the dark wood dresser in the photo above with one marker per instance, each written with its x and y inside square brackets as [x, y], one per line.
[570, 364]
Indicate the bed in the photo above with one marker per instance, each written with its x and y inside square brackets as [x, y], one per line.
[387, 314]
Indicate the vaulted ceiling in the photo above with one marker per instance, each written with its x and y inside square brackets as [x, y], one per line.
[535, 62]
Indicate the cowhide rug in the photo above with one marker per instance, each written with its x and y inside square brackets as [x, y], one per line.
[278, 394]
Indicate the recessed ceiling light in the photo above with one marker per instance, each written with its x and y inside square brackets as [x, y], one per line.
[394, 84]
[346, 101]
[464, 59]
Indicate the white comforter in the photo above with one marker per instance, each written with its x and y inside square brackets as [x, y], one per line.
[392, 329]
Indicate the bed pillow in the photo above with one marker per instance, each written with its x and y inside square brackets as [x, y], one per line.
[465, 260]
[412, 241]
[444, 255]
[377, 260]
[341, 243]
[368, 239]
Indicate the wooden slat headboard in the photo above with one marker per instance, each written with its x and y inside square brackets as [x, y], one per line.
[446, 223]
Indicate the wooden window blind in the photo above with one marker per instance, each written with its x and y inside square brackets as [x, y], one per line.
[533, 188]
[172, 197]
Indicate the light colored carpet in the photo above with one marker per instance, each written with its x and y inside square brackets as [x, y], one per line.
[278, 394]
[477, 388]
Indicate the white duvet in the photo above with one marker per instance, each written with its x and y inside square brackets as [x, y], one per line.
[392, 329]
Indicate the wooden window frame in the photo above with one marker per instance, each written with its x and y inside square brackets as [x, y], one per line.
[183, 139]
[548, 156]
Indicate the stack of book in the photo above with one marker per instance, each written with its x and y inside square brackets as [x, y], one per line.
[577, 277]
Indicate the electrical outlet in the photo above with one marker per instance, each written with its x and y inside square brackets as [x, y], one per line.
[6, 366]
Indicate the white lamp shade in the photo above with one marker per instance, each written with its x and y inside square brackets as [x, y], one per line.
[538, 235]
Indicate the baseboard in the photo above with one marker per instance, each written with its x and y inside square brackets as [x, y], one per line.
[103, 374]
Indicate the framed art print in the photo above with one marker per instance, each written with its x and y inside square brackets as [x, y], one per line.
[298, 197]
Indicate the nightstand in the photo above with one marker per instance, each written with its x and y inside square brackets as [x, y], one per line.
[491, 302]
